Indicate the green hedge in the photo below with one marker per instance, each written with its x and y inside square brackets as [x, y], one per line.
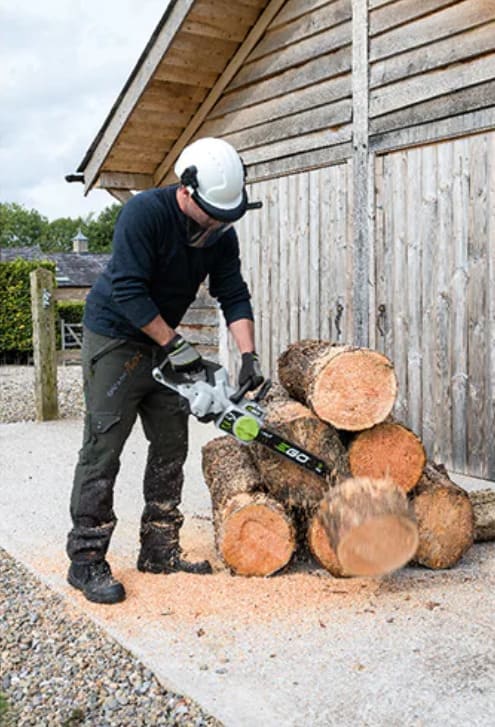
[71, 311]
[16, 329]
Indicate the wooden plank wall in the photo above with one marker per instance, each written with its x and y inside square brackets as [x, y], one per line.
[435, 294]
[297, 259]
[431, 69]
[290, 105]
[429, 236]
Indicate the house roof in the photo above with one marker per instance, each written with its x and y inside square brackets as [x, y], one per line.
[193, 54]
[73, 270]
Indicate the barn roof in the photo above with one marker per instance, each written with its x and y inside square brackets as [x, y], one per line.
[194, 52]
[73, 270]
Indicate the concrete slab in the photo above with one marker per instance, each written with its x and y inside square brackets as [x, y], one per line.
[298, 649]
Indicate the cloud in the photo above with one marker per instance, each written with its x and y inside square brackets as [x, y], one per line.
[64, 64]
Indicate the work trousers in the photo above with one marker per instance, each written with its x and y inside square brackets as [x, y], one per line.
[118, 386]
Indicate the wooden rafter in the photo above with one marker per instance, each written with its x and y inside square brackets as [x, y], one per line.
[124, 180]
[240, 56]
[178, 13]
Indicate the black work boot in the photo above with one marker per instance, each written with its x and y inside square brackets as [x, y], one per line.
[172, 563]
[96, 582]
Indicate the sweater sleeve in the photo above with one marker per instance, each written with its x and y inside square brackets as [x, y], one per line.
[227, 283]
[133, 259]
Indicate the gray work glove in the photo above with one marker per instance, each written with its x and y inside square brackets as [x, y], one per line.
[250, 371]
[182, 356]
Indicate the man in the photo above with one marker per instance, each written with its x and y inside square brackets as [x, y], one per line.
[166, 242]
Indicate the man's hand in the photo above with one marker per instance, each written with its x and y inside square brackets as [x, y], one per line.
[250, 371]
[182, 356]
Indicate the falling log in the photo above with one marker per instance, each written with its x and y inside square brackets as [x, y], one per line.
[388, 450]
[348, 387]
[445, 520]
[253, 533]
[370, 526]
[287, 481]
[483, 502]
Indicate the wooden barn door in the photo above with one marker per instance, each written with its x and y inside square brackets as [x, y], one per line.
[297, 259]
[434, 312]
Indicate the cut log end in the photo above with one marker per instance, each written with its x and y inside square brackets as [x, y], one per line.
[370, 526]
[388, 450]
[322, 551]
[445, 519]
[354, 390]
[378, 546]
[257, 538]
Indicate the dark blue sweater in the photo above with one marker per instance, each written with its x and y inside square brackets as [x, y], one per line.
[153, 271]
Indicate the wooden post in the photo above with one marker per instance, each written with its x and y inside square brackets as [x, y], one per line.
[44, 346]
[361, 171]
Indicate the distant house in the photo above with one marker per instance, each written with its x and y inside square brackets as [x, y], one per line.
[76, 271]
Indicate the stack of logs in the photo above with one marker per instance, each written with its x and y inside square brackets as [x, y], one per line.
[382, 505]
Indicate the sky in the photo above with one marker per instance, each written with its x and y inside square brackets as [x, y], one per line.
[62, 65]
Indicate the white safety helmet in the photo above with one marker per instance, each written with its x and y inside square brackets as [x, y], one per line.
[213, 173]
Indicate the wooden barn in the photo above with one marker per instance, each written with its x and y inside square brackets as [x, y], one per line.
[368, 130]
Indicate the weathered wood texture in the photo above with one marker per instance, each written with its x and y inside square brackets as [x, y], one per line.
[44, 344]
[445, 519]
[388, 450]
[435, 295]
[330, 73]
[288, 482]
[299, 111]
[348, 387]
[429, 61]
[253, 534]
[297, 254]
[370, 526]
[483, 502]
[200, 325]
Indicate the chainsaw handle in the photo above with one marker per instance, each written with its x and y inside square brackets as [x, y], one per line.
[237, 395]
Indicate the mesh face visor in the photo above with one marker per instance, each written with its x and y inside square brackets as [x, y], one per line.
[198, 236]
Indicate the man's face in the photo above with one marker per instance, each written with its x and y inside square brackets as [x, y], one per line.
[192, 210]
[203, 230]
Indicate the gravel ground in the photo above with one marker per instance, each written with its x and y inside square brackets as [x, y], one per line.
[58, 668]
[17, 393]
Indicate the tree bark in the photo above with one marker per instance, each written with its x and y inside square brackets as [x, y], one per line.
[369, 525]
[388, 450]
[483, 502]
[350, 388]
[445, 520]
[253, 533]
[288, 482]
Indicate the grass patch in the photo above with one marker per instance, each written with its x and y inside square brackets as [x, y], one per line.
[6, 713]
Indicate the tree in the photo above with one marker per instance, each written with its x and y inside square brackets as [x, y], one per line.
[19, 226]
[99, 231]
[59, 233]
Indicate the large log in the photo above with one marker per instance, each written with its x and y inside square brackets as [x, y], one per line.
[483, 502]
[320, 548]
[253, 533]
[370, 526]
[350, 388]
[388, 450]
[445, 519]
[287, 481]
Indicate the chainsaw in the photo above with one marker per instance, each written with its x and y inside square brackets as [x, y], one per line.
[210, 396]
